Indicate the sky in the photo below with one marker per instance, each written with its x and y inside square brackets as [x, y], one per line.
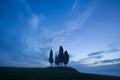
[88, 29]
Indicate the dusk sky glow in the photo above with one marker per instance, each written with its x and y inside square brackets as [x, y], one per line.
[88, 29]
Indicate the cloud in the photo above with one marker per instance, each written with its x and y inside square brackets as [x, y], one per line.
[110, 50]
[97, 57]
[31, 45]
[103, 55]
[114, 44]
[113, 50]
[75, 24]
[75, 4]
[93, 57]
[81, 19]
[100, 58]
[106, 62]
[34, 20]
[27, 16]
[90, 59]
[97, 61]
[22, 50]
[95, 53]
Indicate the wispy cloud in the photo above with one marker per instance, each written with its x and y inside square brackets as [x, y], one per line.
[99, 58]
[111, 49]
[81, 19]
[32, 19]
[95, 53]
[72, 25]
[23, 45]
[90, 59]
[76, 23]
[97, 61]
[35, 20]
[106, 62]
[114, 44]
[75, 4]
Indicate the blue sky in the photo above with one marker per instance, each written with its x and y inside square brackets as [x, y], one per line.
[88, 29]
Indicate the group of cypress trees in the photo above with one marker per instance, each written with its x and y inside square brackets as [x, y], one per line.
[62, 57]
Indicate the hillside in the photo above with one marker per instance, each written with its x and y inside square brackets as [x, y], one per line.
[7, 73]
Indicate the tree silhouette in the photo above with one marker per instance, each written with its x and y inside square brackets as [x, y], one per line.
[51, 57]
[66, 58]
[60, 59]
[56, 60]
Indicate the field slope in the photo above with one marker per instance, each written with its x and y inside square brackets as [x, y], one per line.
[9, 73]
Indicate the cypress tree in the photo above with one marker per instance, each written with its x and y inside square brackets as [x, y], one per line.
[66, 58]
[51, 57]
[56, 60]
[61, 55]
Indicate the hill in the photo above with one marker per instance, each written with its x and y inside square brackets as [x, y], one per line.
[10, 73]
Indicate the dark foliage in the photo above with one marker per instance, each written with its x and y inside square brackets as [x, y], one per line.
[51, 57]
[66, 58]
[61, 55]
[56, 60]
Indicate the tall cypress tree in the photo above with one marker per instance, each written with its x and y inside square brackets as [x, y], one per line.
[56, 60]
[51, 57]
[61, 55]
[66, 58]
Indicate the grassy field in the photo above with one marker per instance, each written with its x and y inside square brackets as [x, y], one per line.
[7, 73]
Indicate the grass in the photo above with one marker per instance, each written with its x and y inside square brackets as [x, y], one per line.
[10, 73]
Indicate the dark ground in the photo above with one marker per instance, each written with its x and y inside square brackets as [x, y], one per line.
[10, 73]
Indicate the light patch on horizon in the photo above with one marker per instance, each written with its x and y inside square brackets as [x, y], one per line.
[103, 57]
